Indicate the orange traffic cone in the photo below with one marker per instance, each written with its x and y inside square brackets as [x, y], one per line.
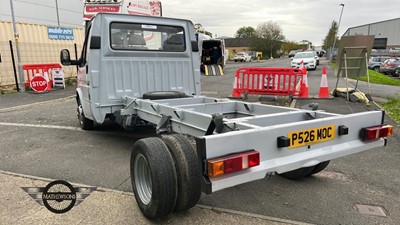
[323, 89]
[304, 86]
[301, 64]
[235, 91]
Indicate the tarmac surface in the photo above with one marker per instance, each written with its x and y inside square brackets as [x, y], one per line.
[106, 206]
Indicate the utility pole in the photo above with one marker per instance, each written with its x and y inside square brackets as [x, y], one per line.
[16, 38]
[334, 40]
[58, 17]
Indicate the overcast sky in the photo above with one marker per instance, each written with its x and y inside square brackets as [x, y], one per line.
[299, 19]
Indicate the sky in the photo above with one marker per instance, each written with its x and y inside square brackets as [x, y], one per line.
[299, 19]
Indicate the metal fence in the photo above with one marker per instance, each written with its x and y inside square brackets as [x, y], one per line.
[32, 53]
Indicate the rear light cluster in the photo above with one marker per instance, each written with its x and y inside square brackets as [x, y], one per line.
[232, 163]
[372, 133]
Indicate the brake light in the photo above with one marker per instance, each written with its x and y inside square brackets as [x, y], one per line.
[372, 133]
[232, 163]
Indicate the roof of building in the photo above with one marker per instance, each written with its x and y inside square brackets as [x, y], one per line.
[238, 42]
[383, 21]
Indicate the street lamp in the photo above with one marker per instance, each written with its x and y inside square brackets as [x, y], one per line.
[334, 38]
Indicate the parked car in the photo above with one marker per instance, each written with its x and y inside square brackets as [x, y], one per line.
[242, 57]
[374, 63]
[308, 58]
[389, 66]
[316, 57]
[292, 53]
[397, 72]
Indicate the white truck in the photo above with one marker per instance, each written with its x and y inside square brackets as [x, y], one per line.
[123, 79]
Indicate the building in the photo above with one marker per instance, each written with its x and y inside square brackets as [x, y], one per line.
[236, 45]
[387, 33]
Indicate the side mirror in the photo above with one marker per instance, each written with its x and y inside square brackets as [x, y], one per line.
[65, 58]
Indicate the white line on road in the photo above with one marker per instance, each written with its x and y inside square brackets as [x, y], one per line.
[41, 126]
[34, 104]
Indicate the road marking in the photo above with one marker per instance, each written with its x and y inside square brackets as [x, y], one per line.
[41, 126]
[112, 133]
[10, 109]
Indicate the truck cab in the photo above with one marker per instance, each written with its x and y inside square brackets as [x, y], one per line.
[126, 57]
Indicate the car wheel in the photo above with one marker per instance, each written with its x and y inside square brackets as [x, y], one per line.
[376, 68]
[85, 123]
[235, 60]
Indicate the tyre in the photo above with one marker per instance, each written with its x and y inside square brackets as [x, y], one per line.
[376, 68]
[155, 95]
[319, 167]
[298, 174]
[153, 178]
[85, 123]
[188, 171]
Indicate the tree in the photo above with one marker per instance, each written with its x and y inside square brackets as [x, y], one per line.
[327, 43]
[245, 32]
[269, 38]
[287, 46]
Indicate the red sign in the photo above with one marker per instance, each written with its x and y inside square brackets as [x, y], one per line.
[97, 9]
[39, 84]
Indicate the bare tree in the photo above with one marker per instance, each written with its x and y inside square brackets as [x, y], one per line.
[269, 38]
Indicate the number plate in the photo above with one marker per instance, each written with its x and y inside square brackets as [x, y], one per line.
[311, 136]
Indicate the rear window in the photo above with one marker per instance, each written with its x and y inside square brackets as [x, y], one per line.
[147, 37]
[301, 55]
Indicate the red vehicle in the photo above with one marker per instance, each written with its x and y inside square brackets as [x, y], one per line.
[389, 66]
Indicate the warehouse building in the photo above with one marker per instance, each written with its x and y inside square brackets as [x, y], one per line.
[387, 33]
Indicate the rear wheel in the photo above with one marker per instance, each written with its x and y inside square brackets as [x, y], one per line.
[376, 68]
[298, 174]
[187, 169]
[153, 178]
[319, 167]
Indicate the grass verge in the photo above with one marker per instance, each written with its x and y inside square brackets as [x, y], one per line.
[378, 78]
[392, 108]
